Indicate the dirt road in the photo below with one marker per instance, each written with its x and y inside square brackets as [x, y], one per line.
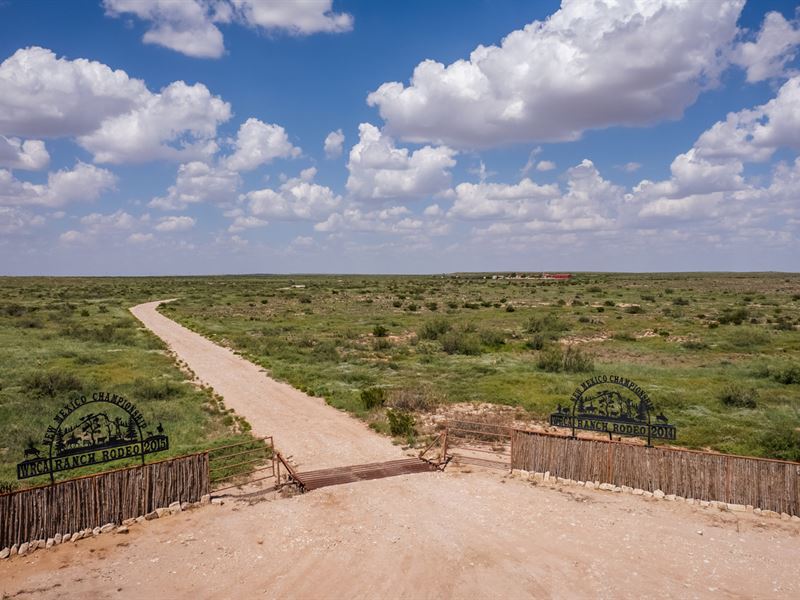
[433, 535]
[313, 434]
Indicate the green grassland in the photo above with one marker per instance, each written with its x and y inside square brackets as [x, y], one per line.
[62, 338]
[718, 353]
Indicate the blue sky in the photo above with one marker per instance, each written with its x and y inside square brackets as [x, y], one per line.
[169, 137]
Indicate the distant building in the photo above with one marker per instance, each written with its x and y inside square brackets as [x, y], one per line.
[559, 276]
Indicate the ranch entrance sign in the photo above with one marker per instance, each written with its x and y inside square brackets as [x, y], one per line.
[91, 430]
[613, 405]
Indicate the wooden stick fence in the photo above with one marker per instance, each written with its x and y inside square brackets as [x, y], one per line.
[94, 500]
[762, 483]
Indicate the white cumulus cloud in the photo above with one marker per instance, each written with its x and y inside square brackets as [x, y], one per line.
[172, 224]
[775, 45]
[590, 65]
[191, 26]
[198, 182]
[79, 184]
[30, 155]
[298, 198]
[259, 143]
[380, 170]
[334, 142]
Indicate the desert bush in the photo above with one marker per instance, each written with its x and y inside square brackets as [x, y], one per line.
[548, 325]
[416, 399]
[373, 397]
[569, 360]
[460, 342]
[733, 315]
[155, 389]
[782, 440]
[326, 351]
[739, 397]
[634, 309]
[432, 306]
[433, 329]
[52, 383]
[492, 338]
[694, 345]
[381, 343]
[380, 331]
[536, 342]
[401, 423]
[510, 308]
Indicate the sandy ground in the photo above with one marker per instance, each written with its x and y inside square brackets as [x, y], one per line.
[305, 429]
[465, 533]
[433, 535]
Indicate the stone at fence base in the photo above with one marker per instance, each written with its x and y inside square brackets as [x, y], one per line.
[617, 489]
[547, 475]
[750, 508]
[184, 505]
[14, 550]
[647, 494]
[205, 499]
[769, 513]
[704, 503]
[175, 508]
[589, 484]
[795, 518]
[5, 553]
[658, 494]
[606, 487]
[108, 527]
[140, 519]
[756, 511]
[66, 537]
[637, 492]
[57, 538]
[122, 529]
[680, 498]
[49, 543]
[217, 501]
[162, 512]
[670, 497]
[152, 515]
[128, 522]
[736, 507]
[23, 548]
[785, 516]
[627, 489]
[96, 531]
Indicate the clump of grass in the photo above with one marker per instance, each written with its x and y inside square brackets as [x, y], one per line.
[733, 315]
[373, 397]
[380, 331]
[461, 342]
[433, 329]
[52, 383]
[416, 399]
[155, 389]
[568, 360]
[548, 325]
[401, 423]
[634, 309]
[737, 396]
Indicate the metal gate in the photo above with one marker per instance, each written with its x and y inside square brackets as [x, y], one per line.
[476, 443]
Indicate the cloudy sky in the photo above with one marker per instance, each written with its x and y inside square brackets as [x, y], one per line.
[244, 136]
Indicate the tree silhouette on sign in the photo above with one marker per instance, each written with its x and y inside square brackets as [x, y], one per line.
[90, 425]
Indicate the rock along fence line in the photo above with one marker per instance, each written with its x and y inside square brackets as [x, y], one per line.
[95, 500]
[763, 483]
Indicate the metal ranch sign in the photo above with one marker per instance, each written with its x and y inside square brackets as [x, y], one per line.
[613, 405]
[91, 430]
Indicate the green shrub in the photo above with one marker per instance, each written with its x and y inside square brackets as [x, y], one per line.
[634, 309]
[739, 397]
[782, 440]
[432, 306]
[52, 383]
[433, 329]
[492, 338]
[536, 342]
[326, 351]
[548, 325]
[373, 397]
[381, 343]
[417, 399]
[510, 308]
[380, 331]
[155, 389]
[459, 342]
[733, 315]
[569, 360]
[401, 423]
